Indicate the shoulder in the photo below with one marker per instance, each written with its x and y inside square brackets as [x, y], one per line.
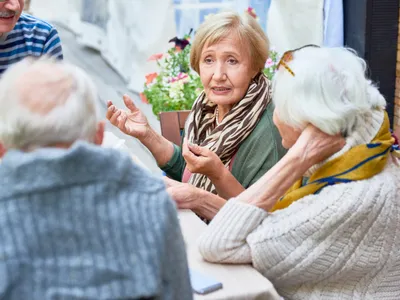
[265, 136]
[34, 24]
[347, 203]
[265, 126]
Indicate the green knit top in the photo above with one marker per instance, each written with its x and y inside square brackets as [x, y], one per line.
[261, 150]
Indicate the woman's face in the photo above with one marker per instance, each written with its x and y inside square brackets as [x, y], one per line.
[289, 134]
[225, 71]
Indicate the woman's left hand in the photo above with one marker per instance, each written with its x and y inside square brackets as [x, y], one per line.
[202, 160]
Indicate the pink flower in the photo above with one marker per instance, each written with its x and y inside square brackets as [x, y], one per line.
[156, 56]
[150, 78]
[181, 76]
[269, 63]
[143, 98]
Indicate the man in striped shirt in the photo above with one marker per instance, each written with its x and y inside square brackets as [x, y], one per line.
[22, 35]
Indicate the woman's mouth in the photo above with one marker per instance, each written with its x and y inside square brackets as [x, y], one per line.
[220, 90]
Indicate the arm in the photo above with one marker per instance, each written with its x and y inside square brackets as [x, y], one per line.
[312, 240]
[53, 46]
[186, 196]
[226, 184]
[238, 219]
[134, 123]
[241, 217]
[159, 146]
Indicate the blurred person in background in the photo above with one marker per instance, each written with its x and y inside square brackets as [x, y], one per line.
[23, 35]
[70, 230]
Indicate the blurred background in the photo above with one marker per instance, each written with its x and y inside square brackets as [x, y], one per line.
[113, 39]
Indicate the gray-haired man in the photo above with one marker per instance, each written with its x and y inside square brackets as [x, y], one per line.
[77, 221]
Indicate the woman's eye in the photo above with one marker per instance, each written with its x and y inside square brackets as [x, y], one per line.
[232, 61]
[208, 60]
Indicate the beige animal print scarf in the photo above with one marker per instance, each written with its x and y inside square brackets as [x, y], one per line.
[225, 139]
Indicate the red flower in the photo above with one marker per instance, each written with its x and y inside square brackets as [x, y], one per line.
[150, 78]
[156, 56]
[143, 98]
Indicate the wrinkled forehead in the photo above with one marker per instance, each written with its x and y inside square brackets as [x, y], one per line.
[42, 88]
[231, 40]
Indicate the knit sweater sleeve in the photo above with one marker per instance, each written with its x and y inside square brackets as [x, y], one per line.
[297, 241]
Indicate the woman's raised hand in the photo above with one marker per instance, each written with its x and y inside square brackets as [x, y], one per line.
[202, 160]
[314, 146]
[131, 121]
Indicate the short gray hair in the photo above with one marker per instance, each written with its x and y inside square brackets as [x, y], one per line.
[329, 90]
[44, 102]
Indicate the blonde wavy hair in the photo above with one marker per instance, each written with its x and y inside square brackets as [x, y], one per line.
[219, 26]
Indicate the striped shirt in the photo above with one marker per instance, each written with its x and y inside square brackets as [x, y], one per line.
[30, 37]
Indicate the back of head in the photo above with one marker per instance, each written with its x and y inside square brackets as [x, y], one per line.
[219, 26]
[328, 88]
[44, 102]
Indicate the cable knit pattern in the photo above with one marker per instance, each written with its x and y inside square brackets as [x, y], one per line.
[87, 223]
[340, 244]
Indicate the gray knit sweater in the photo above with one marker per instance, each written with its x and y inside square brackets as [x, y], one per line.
[86, 223]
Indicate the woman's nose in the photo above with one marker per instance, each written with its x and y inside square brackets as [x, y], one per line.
[219, 72]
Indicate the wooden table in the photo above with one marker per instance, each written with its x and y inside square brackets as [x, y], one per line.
[239, 281]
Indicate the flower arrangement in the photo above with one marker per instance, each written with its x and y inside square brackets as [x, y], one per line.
[176, 86]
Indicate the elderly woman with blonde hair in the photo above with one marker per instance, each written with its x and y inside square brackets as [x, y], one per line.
[336, 235]
[230, 122]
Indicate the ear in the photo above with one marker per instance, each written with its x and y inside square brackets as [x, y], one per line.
[98, 139]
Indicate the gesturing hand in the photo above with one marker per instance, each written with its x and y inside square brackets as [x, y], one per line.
[131, 121]
[202, 160]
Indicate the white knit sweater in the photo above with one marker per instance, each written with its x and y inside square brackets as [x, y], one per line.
[343, 243]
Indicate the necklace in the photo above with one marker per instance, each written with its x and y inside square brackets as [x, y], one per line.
[217, 117]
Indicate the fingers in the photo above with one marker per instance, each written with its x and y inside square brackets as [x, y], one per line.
[189, 156]
[118, 119]
[110, 110]
[129, 103]
[185, 149]
[114, 116]
[197, 150]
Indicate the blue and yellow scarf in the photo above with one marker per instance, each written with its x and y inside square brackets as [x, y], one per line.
[360, 162]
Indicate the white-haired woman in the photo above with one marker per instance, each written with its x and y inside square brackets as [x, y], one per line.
[336, 235]
[231, 120]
